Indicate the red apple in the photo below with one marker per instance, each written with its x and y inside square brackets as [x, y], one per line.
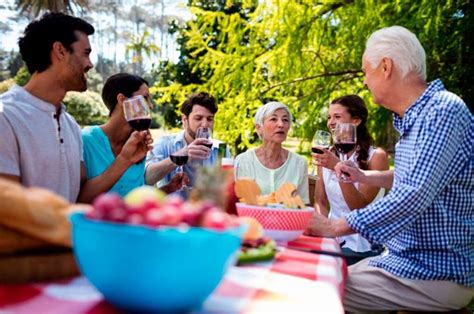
[172, 215]
[155, 217]
[215, 219]
[105, 203]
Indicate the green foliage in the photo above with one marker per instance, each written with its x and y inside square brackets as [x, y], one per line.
[22, 76]
[87, 107]
[138, 47]
[35, 7]
[303, 53]
[10, 63]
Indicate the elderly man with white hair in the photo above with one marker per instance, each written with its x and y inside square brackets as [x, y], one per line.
[271, 165]
[427, 220]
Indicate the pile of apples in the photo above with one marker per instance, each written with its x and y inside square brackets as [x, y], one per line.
[151, 207]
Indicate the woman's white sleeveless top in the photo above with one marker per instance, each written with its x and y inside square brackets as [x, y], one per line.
[339, 208]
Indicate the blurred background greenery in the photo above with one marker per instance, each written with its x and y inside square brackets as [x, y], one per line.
[249, 52]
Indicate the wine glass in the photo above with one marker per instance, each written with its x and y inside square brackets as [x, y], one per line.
[321, 139]
[138, 114]
[345, 139]
[205, 132]
[180, 158]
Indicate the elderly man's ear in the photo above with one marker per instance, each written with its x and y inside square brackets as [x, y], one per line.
[387, 67]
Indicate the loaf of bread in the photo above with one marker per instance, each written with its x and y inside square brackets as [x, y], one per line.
[36, 213]
[12, 242]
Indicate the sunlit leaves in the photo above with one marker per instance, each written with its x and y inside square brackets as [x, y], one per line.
[302, 53]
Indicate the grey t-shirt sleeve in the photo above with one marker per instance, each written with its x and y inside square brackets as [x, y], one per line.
[9, 155]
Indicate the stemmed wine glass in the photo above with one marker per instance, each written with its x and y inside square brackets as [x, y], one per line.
[180, 158]
[205, 132]
[345, 139]
[137, 111]
[321, 139]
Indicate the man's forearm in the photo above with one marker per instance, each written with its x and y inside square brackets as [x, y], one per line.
[157, 171]
[321, 226]
[379, 178]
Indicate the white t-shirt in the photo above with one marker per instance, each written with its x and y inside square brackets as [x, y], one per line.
[339, 208]
[293, 170]
[35, 147]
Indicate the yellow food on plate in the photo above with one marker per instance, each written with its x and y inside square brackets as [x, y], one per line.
[254, 228]
[286, 195]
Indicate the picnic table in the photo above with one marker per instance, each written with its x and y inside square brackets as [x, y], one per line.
[295, 281]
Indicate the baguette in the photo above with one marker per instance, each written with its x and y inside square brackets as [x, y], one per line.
[36, 212]
[12, 242]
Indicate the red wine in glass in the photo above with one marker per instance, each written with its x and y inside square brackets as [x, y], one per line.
[136, 110]
[321, 139]
[344, 148]
[317, 150]
[205, 132]
[179, 160]
[345, 139]
[140, 124]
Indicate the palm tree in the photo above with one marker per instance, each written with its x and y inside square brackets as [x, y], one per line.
[35, 7]
[139, 46]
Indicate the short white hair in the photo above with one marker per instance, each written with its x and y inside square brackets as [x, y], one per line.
[400, 45]
[268, 109]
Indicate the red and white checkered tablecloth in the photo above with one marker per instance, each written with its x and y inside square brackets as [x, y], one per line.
[294, 282]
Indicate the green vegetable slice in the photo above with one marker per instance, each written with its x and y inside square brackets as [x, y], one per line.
[264, 252]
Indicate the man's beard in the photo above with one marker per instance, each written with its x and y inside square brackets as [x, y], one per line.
[191, 133]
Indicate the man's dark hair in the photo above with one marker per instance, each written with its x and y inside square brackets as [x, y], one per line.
[40, 35]
[121, 83]
[201, 99]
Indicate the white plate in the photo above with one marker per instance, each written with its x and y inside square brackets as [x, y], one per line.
[283, 235]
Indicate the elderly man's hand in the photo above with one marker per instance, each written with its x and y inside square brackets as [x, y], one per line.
[320, 226]
[350, 170]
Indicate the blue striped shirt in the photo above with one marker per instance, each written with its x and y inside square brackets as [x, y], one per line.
[172, 143]
[427, 219]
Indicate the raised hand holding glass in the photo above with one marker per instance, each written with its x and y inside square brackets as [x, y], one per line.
[345, 139]
[137, 112]
[180, 158]
[321, 139]
[205, 132]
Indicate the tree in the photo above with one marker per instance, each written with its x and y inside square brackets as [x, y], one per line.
[305, 53]
[35, 7]
[138, 47]
[86, 107]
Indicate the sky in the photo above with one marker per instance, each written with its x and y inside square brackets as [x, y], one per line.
[8, 41]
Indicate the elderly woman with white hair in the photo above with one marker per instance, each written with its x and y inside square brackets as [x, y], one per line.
[271, 165]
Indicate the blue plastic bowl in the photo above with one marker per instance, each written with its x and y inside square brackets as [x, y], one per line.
[141, 269]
